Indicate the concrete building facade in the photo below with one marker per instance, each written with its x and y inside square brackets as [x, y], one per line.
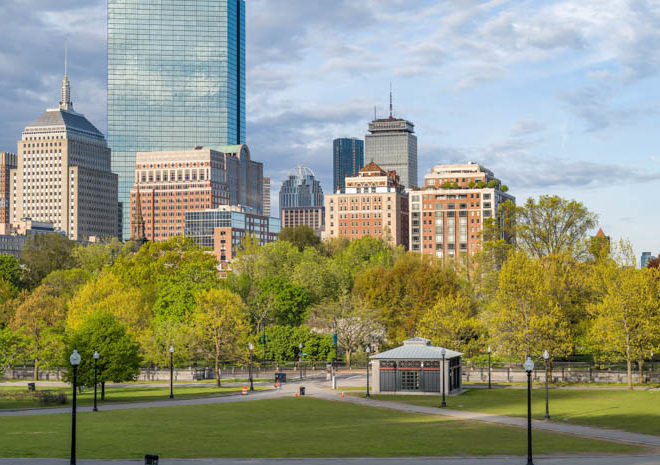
[314, 217]
[373, 203]
[7, 163]
[266, 201]
[447, 215]
[63, 174]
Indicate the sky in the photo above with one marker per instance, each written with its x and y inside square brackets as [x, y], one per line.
[555, 97]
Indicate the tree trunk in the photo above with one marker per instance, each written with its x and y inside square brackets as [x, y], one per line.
[217, 371]
[35, 373]
[102, 390]
[348, 358]
[640, 364]
[629, 366]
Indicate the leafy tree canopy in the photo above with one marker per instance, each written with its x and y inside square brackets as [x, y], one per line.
[300, 236]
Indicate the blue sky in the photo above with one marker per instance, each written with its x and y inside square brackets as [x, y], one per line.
[556, 97]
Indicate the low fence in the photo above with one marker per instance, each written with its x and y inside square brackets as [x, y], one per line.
[558, 375]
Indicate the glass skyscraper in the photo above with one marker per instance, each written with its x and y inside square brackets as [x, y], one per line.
[347, 160]
[176, 79]
[301, 189]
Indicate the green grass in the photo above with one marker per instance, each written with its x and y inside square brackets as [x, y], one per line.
[283, 427]
[636, 411]
[120, 395]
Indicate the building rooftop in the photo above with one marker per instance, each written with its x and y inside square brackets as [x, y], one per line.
[64, 119]
[415, 349]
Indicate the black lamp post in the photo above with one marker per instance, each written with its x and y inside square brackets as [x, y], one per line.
[368, 351]
[96, 359]
[263, 342]
[300, 346]
[443, 352]
[489, 369]
[171, 372]
[529, 367]
[250, 368]
[75, 361]
[546, 357]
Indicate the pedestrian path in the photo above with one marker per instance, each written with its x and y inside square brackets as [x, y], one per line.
[560, 460]
[564, 428]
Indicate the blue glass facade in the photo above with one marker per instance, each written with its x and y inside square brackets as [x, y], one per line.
[348, 160]
[176, 79]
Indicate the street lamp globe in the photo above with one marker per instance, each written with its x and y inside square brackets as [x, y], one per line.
[443, 352]
[171, 349]
[546, 355]
[368, 349]
[250, 346]
[529, 365]
[300, 346]
[75, 358]
[96, 355]
[489, 349]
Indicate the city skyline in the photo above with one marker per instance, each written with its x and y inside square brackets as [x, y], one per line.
[564, 108]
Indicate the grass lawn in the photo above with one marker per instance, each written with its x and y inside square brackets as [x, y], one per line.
[118, 395]
[283, 427]
[636, 411]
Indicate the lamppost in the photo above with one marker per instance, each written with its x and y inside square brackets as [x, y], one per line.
[96, 359]
[75, 361]
[368, 351]
[300, 346]
[443, 352]
[250, 372]
[529, 367]
[546, 357]
[489, 368]
[171, 372]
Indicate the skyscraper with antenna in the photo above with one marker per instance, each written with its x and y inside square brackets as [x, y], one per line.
[392, 145]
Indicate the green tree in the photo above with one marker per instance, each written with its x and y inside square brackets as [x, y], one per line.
[553, 226]
[355, 323]
[525, 319]
[626, 322]
[93, 257]
[454, 323]
[40, 316]
[300, 236]
[119, 353]
[12, 346]
[44, 253]
[282, 344]
[166, 333]
[11, 271]
[286, 302]
[221, 326]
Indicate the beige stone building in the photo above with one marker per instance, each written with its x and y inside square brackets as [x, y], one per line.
[63, 174]
[372, 204]
[7, 163]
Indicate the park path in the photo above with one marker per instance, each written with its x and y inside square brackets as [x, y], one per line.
[558, 460]
[564, 428]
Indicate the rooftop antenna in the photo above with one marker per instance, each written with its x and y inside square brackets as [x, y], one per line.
[391, 112]
[375, 117]
[66, 56]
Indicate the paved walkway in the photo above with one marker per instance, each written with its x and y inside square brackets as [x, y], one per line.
[563, 460]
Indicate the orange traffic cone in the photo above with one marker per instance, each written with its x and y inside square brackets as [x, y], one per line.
[342, 394]
[244, 392]
[295, 394]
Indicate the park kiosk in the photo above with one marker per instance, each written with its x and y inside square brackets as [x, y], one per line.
[417, 367]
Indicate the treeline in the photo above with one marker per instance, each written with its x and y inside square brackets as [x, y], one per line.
[540, 283]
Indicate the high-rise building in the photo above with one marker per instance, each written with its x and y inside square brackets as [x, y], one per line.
[392, 145]
[7, 163]
[646, 258]
[63, 174]
[448, 213]
[313, 217]
[176, 79]
[266, 202]
[301, 189]
[372, 204]
[171, 183]
[224, 228]
[347, 160]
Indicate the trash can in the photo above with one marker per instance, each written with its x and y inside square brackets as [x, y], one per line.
[302, 390]
[281, 377]
[32, 387]
[150, 459]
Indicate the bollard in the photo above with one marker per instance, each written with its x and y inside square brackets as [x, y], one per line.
[150, 459]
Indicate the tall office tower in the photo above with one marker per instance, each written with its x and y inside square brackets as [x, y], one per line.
[373, 204]
[63, 174]
[7, 163]
[266, 202]
[447, 215]
[392, 145]
[301, 189]
[347, 160]
[176, 79]
[646, 258]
